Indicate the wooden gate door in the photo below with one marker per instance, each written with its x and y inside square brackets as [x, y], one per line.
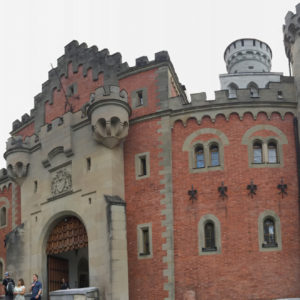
[58, 268]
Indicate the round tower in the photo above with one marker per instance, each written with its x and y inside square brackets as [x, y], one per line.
[248, 56]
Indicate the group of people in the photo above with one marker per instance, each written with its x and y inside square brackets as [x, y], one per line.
[18, 291]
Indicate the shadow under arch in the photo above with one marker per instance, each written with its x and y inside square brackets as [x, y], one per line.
[45, 233]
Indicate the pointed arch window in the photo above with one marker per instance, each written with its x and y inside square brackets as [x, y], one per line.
[199, 156]
[209, 232]
[214, 155]
[257, 152]
[232, 90]
[269, 233]
[254, 92]
[272, 153]
[3, 216]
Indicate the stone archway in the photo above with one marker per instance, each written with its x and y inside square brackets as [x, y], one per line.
[67, 245]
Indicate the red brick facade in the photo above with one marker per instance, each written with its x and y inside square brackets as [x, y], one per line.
[12, 203]
[241, 270]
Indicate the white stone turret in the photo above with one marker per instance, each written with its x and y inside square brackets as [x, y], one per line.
[248, 56]
[248, 62]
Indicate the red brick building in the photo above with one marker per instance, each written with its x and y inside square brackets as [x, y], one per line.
[210, 187]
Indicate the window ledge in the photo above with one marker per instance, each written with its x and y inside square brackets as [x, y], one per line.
[271, 245]
[209, 249]
[207, 169]
[266, 165]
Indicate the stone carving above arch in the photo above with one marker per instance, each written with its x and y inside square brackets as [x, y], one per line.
[187, 143]
[281, 136]
[61, 182]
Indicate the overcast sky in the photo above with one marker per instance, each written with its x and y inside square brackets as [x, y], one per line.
[194, 32]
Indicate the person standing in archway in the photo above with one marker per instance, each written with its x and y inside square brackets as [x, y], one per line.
[36, 288]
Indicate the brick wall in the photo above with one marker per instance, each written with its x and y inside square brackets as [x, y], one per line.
[85, 86]
[7, 193]
[241, 271]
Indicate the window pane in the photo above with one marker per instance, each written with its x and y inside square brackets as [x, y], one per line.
[209, 236]
[257, 153]
[272, 153]
[199, 160]
[199, 157]
[269, 232]
[215, 158]
[214, 155]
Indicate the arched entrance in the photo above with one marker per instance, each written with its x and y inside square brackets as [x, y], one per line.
[67, 254]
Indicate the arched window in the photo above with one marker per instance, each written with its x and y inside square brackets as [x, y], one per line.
[3, 216]
[272, 153]
[199, 156]
[269, 233]
[232, 88]
[253, 90]
[214, 155]
[209, 232]
[257, 152]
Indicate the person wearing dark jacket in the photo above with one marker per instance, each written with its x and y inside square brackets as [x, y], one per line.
[5, 282]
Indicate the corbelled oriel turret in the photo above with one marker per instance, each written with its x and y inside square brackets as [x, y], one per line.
[109, 112]
[17, 158]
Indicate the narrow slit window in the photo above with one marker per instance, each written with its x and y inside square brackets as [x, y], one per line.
[140, 98]
[35, 186]
[143, 166]
[88, 163]
[145, 241]
[257, 153]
